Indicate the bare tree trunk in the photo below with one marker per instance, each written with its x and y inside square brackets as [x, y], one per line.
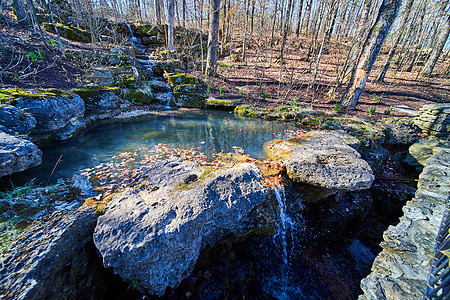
[437, 50]
[213, 36]
[252, 16]
[244, 43]
[184, 13]
[20, 10]
[286, 26]
[370, 49]
[299, 18]
[352, 59]
[400, 31]
[170, 33]
[157, 12]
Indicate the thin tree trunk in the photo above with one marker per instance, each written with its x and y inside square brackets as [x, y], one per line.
[157, 12]
[400, 31]
[211, 64]
[437, 50]
[184, 13]
[170, 33]
[286, 26]
[252, 16]
[371, 47]
[244, 44]
[299, 18]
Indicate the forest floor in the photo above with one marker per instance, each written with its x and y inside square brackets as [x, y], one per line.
[255, 81]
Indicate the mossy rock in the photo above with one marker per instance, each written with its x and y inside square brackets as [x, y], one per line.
[174, 79]
[143, 96]
[93, 95]
[69, 32]
[9, 95]
[191, 100]
[185, 88]
[222, 103]
[125, 81]
[147, 29]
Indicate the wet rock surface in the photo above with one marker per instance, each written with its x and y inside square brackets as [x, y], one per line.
[17, 154]
[156, 237]
[324, 159]
[400, 270]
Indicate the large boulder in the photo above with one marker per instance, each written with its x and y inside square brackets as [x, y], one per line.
[17, 154]
[155, 237]
[14, 121]
[325, 159]
[56, 112]
[49, 261]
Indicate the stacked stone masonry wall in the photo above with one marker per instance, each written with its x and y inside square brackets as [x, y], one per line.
[400, 271]
[434, 119]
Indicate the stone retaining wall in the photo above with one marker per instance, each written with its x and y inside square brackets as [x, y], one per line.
[400, 271]
[434, 119]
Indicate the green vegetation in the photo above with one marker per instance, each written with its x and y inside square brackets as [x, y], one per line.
[388, 111]
[220, 91]
[372, 110]
[240, 92]
[264, 95]
[294, 102]
[337, 107]
[208, 89]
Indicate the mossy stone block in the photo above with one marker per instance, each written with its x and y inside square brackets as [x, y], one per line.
[192, 100]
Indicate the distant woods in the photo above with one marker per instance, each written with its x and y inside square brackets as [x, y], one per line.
[410, 34]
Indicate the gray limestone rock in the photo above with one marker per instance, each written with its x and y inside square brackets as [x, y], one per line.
[156, 237]
[53, 113]
[14, 121]
[49, 260]
[400, 131]
[326, 159]
[17, 154]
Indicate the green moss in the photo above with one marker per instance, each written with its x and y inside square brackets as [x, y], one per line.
[222, 102]
[174, 79]
[92, 94]
[125, 80]
[69, 32]
[208, 171]
[139, 96]
[190, 80]
[147, 29]
[185, 88]
[10, 95]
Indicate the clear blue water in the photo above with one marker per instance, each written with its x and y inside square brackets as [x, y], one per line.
[212, 131]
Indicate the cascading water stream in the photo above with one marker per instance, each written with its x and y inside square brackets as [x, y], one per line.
[281, 198]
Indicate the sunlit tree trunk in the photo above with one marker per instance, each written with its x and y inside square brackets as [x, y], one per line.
[400, 31]
[370, 49]
[437, 49]
[352, 58]
[213, 36]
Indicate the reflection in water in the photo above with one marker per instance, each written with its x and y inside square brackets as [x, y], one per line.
[212, 131]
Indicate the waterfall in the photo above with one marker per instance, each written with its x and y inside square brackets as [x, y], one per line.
[281, 198]
[134, 40]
